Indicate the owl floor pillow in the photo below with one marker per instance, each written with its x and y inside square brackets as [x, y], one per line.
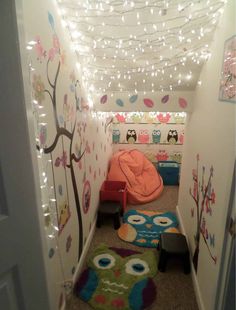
[143, 228]
[118, 279]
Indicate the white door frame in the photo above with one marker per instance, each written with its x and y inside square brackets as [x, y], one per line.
[224, 285]
[22, 242]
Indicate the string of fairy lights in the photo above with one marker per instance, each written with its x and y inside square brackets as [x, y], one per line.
[133, 46]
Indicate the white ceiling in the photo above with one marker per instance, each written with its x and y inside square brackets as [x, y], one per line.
[141, 45]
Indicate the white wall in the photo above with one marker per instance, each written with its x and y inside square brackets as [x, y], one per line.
[210, 132]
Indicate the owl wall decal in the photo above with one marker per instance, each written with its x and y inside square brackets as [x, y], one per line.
[143, 228]
[176, 157]
[162, 155]
[131, 136]
[143, 136]
[156, 136]
[116, 136]
[118, 279]
[172, 136]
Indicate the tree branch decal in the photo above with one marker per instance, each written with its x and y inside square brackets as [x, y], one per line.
[70, 111]
[204, 197]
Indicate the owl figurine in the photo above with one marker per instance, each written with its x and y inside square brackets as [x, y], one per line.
[143, 228]
[116, 136]
[156, 136]
[172, 136]
[131, 136]
[118, 279]
[143, 136]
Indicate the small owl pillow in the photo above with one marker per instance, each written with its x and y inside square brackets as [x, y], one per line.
[118, 279]
[143, 228]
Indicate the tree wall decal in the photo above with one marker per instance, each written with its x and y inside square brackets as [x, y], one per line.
[66, 126]
[204, 197]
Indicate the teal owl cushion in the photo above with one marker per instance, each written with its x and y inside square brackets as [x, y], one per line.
[118, 279]
[143, 228]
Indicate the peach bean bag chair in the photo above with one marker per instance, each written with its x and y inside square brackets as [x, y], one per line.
[144, 184]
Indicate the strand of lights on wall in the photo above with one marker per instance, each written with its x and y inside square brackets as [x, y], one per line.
[133, 46]
[48, 199]
[45, 164]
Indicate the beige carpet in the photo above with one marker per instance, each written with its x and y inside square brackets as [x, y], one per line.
[174, 288]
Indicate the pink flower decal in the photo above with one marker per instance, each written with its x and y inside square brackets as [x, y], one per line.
[64, 159]
[39, 48]
[61, 161]
[51, 54]
[63, 57]
[56, 43]
[88, 150]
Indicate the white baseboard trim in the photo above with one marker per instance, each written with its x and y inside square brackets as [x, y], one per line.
[193, 273]
[84, 253]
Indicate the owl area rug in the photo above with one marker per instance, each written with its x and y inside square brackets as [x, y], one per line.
[118, 279]
[143, 228]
